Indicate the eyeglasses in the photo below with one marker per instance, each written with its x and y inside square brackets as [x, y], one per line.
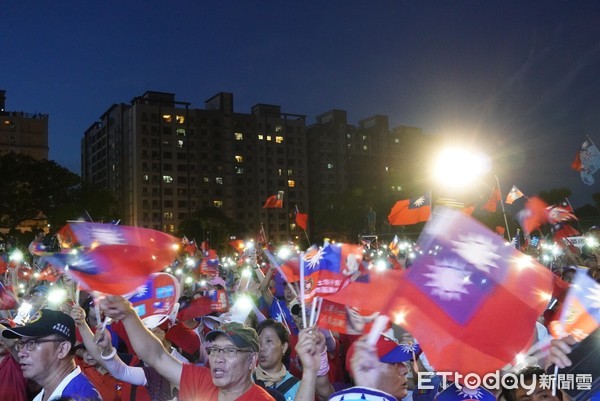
[32, 343]
[228, 352]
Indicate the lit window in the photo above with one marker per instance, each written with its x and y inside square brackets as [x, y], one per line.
[397, 140]
[278, 128]
[206, 179]
[239, 170]
[239, 159]
[218, 203]
[261, 137]
[180, 143]
[279, 139]
[348, 136]
[146, 178]
[290, 172]
[180, 131]
[364, 137]
[268, 137]
[167, 118]
[180, 119]
[387, 169]
[219, 180]
[365, 147]
[279, 172]
[239, 136]
[168, 215]
[167, 179]
[291, 183]
[329, 166]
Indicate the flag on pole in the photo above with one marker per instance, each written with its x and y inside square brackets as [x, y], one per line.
[454, 297]
[587, 161]
[394, 246]
[411, 211]
[492, 203]
[580, 313]
[274, 202]
[302, 220]
[558, 214]
[514, 194]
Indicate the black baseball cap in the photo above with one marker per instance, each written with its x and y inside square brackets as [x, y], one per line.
[45, 322]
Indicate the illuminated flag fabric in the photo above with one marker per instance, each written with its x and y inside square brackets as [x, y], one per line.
[580, 313]
[557, 214]
[514, 194]
[587, 161]
[330, 268]
[7, 298]
[112, 259]
[345, 319]
[156, 299]
[468, 210]
[533, 215]
[500, 230]
[189, 246]
[302, 220]
[394, 246]
[210, 263]
[561, 230]
[455, 296]
[273, 202]
[238, 245]
[410, 211]
[492, 203]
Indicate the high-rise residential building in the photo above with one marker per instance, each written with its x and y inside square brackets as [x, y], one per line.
[22, 132]
[367, 163]
[165, 160]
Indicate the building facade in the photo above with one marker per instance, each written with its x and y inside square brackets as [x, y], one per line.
[164, 160]
[22, 132]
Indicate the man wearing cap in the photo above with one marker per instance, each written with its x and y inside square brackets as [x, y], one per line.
[45, 350]
[378, 371]
[232, 350]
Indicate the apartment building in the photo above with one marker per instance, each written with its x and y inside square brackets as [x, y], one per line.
[164, 160]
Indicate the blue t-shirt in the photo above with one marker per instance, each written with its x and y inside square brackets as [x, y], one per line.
[80, 388]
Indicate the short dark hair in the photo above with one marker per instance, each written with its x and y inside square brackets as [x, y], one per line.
[526, 374]
[280, 330]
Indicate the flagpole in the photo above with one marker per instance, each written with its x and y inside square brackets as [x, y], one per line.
[578, 222]
[503, 210]
[305, 233]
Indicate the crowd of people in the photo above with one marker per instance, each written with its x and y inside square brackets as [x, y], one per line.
[92, 347]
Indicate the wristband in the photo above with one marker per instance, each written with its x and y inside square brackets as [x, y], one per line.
[109, 356]
[324, 368]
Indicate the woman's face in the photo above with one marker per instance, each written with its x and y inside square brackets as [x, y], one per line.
[271, 350]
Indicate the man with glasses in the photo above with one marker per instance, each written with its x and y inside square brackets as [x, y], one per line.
[232, 350]
[45, 352]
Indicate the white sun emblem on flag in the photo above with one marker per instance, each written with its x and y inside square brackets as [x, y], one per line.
[313, 260]
[408, 347]
[419, 201]
[142, 290]
[448, 279]
[212, 292]
[470, 393]
[478, 251]
[595, 297]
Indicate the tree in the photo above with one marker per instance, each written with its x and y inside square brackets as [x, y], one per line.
[212, 225]
[34, 189]
[555, 195]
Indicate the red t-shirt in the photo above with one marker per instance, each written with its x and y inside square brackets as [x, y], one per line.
[107, 386]
[196, 385]
[13, 386]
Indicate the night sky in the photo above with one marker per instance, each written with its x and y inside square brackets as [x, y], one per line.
[517, 79]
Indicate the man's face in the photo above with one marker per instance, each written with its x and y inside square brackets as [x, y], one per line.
[42, 360]
[538, 394]
[3, 349]
[230, 371]
[393, 379]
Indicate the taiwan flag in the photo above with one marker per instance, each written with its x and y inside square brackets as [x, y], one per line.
[411, 211]
[345, 319]
[466, 293]
[280, 312]
[580, 313]
[112, 259]
[330, 268]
